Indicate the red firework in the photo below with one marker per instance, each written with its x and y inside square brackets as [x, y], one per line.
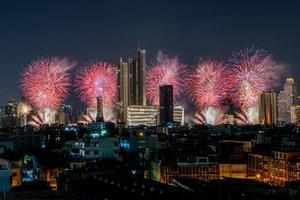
[95, 80]
[168, 71]
[46, 83]
[205, 86]
[251, 72]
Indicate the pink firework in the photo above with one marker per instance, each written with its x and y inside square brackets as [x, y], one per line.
[95, 80]
[168, 71]
[251, 72]
[46, 83]
[205, 86]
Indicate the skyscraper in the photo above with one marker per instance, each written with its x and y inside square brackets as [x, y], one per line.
[123, 78]
[165, 104]
[141, 79]
[286, 99]
[131, 83]
[268, 108]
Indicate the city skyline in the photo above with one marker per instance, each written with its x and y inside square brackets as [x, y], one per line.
[179, 30]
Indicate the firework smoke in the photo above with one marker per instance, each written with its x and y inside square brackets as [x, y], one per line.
[210, 115]
[167, 71]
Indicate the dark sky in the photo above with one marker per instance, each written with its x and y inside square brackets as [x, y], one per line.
[89, 30]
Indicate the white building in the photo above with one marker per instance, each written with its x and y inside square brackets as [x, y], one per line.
[286, 99]
[149, 115]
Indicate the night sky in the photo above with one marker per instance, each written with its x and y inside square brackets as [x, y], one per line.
[105, 30]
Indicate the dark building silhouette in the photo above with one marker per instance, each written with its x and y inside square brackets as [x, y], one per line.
[100, 117]
[165, 104]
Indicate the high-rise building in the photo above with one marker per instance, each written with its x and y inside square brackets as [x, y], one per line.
[141, 79]
[131, 83]
[268, 108]
[123, 78]
[286, 99]
[165, 104]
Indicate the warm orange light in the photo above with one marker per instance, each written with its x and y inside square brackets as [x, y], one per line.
[141, 134]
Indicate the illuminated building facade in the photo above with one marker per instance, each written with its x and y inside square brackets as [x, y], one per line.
[258, 167]
[141, 77]
[277, 168]
[285, 166]
[178, 114]
[268, 108]
[138, 115]
[131, 83]
[149, 115]
[165, 104]
[286, 99]
[295, 114]
[123, 78]
[200, 168]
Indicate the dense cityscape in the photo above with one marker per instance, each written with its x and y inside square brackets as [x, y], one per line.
[135, 137]
[149, 100]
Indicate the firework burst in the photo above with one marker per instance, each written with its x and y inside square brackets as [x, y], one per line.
[95, 80]
[37, 120]
[46, 82]
[210, 116]
[251, 72]
[167, 71]
[205, 86]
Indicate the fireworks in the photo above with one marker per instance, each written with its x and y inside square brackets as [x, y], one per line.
[95, 80]
[86, 119]
[252, 71]
[46, 83]
[37, 120]
[247, 116]
[168, 71]
[210, 116]
[205, 86]
[24, 108]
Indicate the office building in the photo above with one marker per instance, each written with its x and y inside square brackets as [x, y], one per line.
[165, 104]
[123, 78]
[286, 99]
[268, 108]
[138, 115]
[178, 114]
[141, 78]
[131, 83]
